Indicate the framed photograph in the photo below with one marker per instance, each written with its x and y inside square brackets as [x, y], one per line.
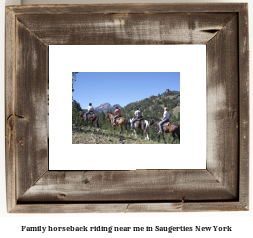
[55, 163]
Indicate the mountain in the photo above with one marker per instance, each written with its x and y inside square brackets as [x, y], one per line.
[103, 107]
[106, 106]
[117, 105]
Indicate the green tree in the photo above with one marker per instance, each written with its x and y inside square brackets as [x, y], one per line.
[102, 116]
[76, 105]
[145, 116]
[102, 120]
[73, 79]
[76, 109]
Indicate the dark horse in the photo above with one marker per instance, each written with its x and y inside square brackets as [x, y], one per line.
[92, 118]
[173, 128]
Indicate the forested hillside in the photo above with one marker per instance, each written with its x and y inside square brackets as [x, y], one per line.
[152, 106]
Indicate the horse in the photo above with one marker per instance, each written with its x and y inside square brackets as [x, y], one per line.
[119, 121]
[143, 125]
[92, 118]
[173, 128]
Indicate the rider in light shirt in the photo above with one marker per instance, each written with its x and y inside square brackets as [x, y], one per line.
[137, 114]
[165, 119]
[117, 114]
[90, 109]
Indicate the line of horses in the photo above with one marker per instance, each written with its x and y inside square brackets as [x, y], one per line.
[172, 128]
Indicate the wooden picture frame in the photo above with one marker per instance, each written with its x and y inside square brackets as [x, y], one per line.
[222, 186]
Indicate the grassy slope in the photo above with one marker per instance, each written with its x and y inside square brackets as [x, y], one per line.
[94, 136]
[176, 110]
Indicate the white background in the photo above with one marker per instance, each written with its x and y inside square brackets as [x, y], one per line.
[10, 223]
[63, 155]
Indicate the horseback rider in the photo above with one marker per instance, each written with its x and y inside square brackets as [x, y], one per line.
[117, 114]
[164, 119]
[138, 115]
[90, 109]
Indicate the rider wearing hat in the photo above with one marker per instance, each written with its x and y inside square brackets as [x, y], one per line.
[137, 114]
[117, 114]
[90, 109]
[165, 119]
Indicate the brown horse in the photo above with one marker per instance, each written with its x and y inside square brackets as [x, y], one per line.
[92, 118]
[173, 128]
[119, 121]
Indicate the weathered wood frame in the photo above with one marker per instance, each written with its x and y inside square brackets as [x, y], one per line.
[223, 186]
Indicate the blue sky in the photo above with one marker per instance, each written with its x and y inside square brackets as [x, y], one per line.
[121, 88]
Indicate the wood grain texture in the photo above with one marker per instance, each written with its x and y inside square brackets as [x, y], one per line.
[139, 185]
[186, 207]
[9, 108]
[120, 29]
[129, 207]
[129, 8]
[31, 109]
[244, 106]
[222, 107]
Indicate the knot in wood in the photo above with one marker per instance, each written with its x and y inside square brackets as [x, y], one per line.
[61, 195]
